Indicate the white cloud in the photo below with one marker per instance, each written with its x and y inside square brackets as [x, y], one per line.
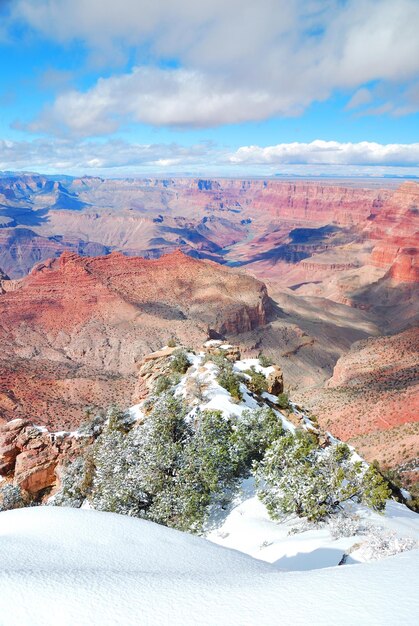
[330, 153]
[69, 156]
[175, 97]
[237, 60]
[118, 157]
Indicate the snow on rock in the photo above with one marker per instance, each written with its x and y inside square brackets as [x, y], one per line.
[216, 398]
[136, 412]
[246, 364]
[73, 566]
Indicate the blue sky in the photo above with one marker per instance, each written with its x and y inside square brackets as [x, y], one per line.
[234, 87]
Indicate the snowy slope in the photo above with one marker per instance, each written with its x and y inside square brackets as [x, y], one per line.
[70, 566]
[247, 527]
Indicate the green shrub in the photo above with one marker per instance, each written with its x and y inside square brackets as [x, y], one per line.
[264, 360]
[255, 431]
[180, 362]
[119, 420]
[93, 426]
[299, 478]
[164, 470]
[228, 379]
[163, 383]
[207, 467]
[218, 359]
[258, 383]
[283, 401]
[171, 343]
[76, 482]
[11, 497]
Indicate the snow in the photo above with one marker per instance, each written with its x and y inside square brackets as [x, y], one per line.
[41, 429]
[72, 566]
[246, 364]
[212, 342]
[216, 397]
[136, 412]
[247, 527]
[78, 566]
[406, 494]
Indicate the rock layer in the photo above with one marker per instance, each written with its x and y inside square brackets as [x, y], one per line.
[76, 325]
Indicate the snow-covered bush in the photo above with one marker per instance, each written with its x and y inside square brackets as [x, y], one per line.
[11, 497]
[381, 543]
[283, 401]
[76, 483]
[264, 360]
[295, 476]
[347, 526]
[180, 362]
[165, 469]
[257, 383]
[119, 420]
[118, 483]
[207, 465]
[228, 379]
[163, 383]
[255, 431]
[93, 426]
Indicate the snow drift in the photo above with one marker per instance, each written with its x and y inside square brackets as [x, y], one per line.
[72, 566]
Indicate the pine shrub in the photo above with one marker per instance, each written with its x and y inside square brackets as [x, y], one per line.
[264, 360]
[283, 401]
[11, 497]
[255, 431]
[257, 383]
[228, 379]
[299, 478]
[180, 362]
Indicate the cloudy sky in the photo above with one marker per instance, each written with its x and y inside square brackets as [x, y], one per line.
[234, 87]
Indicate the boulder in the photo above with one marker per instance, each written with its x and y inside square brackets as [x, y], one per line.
[217, 347]
[9, 444]
[275, 381]
[35, 470]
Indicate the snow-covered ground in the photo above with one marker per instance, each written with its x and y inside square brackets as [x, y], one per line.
[247, 527]
[62, 567]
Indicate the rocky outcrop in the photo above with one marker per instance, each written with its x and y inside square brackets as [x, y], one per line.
[275, 381]
[171, 289]
[30, 455]
[220, 348]
[397, 228]
[4, 279]
[405, 267]
[150, 368]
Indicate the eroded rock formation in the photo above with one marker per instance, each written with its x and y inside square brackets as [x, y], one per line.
[73, 332]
